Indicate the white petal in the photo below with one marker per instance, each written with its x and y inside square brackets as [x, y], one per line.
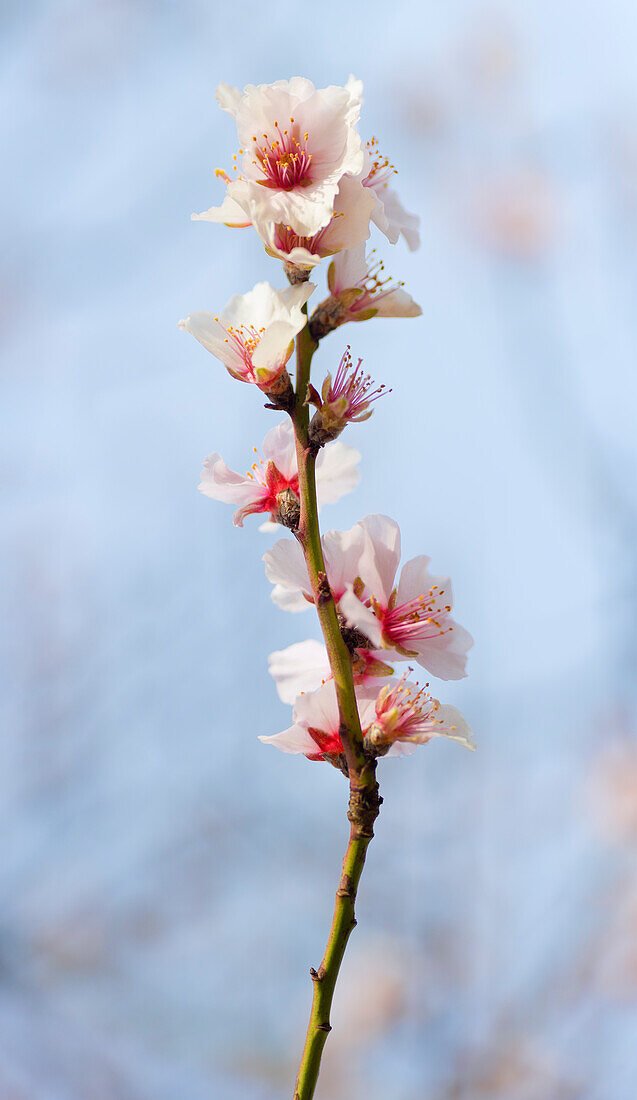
[301, 667]
[393, 220]
[279, 447]
[416, 580]
[397, 304]
[445, 655]
[381, 556]
[284, 565]
[228, 98]
[336, 472]
[293, 740]
[319, 709]
[289, 600]
[209, 332]
[342, 552]
[454, 725]
[219, 482]
[350, 268]
[361, 617]
[275, 347]
[229, 213]
[353, 207]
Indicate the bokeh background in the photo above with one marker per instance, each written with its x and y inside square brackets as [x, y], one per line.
[166, 880]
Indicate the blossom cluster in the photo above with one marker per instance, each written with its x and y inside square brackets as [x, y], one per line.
[312, 190]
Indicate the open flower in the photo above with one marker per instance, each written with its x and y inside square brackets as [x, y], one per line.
[393, 720]
[348, 226]
[345, 399]
[254, 335]
[360, 290]
[412, 619]
[285, 567]
[296, 144]
[316, 722]
[406, 716]
[272, 484]
[389, 213]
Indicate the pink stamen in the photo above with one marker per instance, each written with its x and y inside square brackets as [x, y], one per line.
[352, 389]
[283, 159]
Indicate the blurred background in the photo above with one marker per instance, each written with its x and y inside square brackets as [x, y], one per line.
[166, 880]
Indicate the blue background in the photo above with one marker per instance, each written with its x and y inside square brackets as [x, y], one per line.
[166, 880]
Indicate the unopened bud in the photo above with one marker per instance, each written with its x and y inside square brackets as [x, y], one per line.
[289, 509]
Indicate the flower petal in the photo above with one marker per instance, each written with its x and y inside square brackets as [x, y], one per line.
[361, 617]
[299, 668]
[381, 556]
[336, 472]
[295, 739]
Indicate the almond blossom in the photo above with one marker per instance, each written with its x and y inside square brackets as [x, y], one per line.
[344, 400]
[389, 213]
[348, 227]
[285, 567]
[406, 714]
[296, 144]
[393, 720]
[413, 618]
[316, 721]
[272, 484]
[360, 290]
[254, 335]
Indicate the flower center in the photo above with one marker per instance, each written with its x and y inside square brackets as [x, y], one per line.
[401, 708]
[283, 157]
[273, 481]
[421, 618]
[245, 339]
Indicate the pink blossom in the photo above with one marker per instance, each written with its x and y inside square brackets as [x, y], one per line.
[406, 715]
[393, 721]
[296, 144]
[272, 484]
[316, 722]
[412, 619]
[361, 282]
[348, 227]
[254, 335]
[285, 567]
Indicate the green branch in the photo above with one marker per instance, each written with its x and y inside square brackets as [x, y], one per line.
[364, 800]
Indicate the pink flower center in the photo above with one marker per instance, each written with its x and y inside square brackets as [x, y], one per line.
[245, 339]
[419, 619]
[285, 239]
[284, 158]
[328, 743]
[274, 482]
[404, 710]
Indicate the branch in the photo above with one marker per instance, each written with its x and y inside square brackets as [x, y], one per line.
[364, 799]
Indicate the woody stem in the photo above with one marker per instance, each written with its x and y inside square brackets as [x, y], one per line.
[364, 799]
